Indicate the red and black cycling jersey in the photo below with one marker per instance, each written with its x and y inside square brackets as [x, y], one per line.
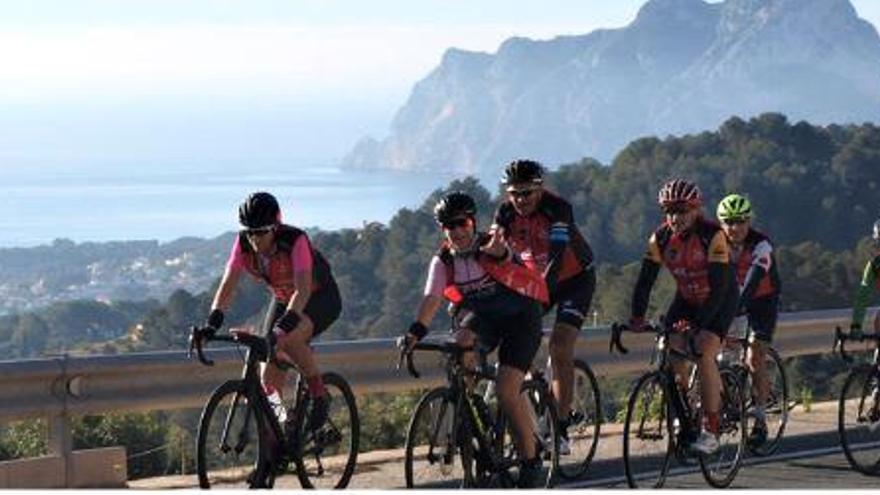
[699, 261]
[687, 256]
[530, 237]
[277, 269]
[757, 251]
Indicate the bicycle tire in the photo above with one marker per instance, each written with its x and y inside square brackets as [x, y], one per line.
[436, 411]
[341, 431]
[542, 414]
[584, 435]
[720, 469]
[248, 435]
[777, 407]
[861, 382]
[656, 412]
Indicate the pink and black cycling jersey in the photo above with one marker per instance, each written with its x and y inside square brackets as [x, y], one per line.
[294, 254]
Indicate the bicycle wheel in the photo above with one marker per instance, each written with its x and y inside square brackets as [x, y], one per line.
[430, 450]
[229, 446]
[720, 468]
[858, 422]
[326, 458]
[541, 411]
[776, 408]
[584, 423]
[647, 433]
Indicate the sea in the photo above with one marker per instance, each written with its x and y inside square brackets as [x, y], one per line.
[145, 201]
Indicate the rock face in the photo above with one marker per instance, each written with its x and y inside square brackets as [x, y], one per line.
[680, 66]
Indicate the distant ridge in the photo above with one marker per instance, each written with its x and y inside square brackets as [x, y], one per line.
[681, 66]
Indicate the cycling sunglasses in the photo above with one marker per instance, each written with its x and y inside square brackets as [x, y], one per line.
[522, 193]
[676, 208]
[734, 221]
[258, 232]
[455, 223]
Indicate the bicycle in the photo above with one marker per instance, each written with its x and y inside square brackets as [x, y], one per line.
[584, 420]
[662, 420]
[733, 355]
[858, 413]
[453, 419]
[240, 436]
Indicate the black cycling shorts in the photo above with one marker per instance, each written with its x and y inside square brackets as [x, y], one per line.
[509, 322]
[573, 297]
[323, 309]
[762, 315]
[720, 323]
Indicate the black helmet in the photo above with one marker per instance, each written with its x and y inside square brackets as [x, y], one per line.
[260, 209]
[523, 172]
[454, 205]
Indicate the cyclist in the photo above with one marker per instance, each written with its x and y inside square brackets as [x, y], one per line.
[305, 296]
[869, 285]
[696, 252]
[759, 285]
[539, 226]
[499, 305]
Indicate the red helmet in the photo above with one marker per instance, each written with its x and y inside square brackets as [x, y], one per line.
[680, 191]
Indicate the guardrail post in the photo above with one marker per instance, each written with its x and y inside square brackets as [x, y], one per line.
[61, 444]
[60, 441]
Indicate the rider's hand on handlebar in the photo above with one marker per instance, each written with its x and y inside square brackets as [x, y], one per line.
[203, 332]
[414, 334]
[406, 342]
[212, 324]
[215, 319]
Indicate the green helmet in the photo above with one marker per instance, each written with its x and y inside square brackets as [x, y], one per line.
[734, 207]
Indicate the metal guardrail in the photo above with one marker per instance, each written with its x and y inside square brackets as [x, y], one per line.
[75, 385]
[65, 386]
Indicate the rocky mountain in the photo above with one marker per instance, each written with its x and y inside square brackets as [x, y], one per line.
[681, 66]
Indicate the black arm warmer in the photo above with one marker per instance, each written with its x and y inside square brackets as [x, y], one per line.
[642, 292]
[721, 280]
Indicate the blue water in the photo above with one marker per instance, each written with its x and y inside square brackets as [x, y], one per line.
[144, 202]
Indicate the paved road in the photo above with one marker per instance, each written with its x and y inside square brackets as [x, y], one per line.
[809, 458]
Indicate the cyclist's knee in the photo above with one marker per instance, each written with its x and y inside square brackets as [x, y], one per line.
[294, 342]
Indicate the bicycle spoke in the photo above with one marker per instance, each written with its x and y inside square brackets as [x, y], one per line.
[647, 441]
[859, 420]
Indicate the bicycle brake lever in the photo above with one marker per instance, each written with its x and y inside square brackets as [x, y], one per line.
[616, 331]
[192, 342]
[840, 339]
[196, 341]
[407, 355]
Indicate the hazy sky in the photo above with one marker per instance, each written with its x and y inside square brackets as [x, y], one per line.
[76, 74]
[71, 49]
